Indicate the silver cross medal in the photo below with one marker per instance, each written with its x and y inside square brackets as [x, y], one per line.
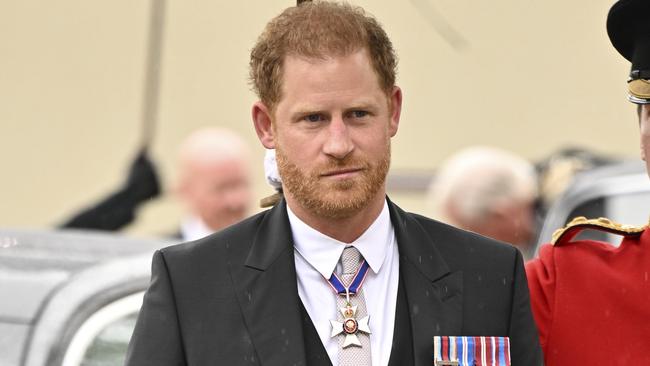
[350, 325]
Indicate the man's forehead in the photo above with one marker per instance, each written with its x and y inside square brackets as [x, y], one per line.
[293, 60]
[325, 53]
[301, 69]
[218, 165]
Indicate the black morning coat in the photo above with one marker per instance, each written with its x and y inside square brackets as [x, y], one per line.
[232, 299]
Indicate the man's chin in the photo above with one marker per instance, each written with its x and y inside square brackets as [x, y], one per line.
[341, 203]
[337, 211]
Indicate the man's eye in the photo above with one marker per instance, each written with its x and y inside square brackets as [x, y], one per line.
[313, 118]
[359, 114]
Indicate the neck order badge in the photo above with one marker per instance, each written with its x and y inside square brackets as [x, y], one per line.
[350, 325]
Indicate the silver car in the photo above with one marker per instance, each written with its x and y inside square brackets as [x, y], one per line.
[69, 298]
[620, 192]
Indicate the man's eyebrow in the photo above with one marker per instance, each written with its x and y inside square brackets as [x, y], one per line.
[362, 105]
[305, 111]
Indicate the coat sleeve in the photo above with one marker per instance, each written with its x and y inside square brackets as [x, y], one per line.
[541, 280]
[119, 208]
[156, 339]
[524, 342]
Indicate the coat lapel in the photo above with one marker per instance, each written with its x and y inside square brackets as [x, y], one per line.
[267, 291]
[434, 293]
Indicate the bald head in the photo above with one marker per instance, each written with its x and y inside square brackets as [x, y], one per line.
[488, 191]
[212, 144]
[214, 176]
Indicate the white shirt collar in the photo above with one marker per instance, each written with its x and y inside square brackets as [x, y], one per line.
[193, 228]
[323, 252]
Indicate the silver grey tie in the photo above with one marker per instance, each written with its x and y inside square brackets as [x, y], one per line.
[353, 355]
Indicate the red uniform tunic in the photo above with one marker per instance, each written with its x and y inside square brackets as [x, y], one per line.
[591, 301]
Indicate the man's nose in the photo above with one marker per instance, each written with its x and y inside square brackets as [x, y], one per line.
[339, 142]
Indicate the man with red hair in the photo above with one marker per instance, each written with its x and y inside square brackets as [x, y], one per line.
[335, 273]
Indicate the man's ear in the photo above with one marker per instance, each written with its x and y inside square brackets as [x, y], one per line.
[263, 125]
[396, 110]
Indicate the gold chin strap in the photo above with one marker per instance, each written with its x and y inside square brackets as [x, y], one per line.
[639, 88]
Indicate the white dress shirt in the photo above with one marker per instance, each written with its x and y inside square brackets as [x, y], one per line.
[193, 228]
[317, 256]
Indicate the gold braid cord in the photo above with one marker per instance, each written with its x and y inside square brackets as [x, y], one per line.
[565, 234]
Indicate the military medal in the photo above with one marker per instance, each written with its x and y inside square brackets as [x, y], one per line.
[350, 325]
[470, 351]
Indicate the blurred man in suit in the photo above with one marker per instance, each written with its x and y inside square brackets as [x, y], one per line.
[488, 191]
[213, 182]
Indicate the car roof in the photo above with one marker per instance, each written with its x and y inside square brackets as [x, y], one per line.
[34, 263]
[67, 250]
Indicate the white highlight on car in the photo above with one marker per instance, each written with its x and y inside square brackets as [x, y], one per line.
[91, 328]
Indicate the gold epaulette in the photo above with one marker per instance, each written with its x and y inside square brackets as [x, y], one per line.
[581, 223]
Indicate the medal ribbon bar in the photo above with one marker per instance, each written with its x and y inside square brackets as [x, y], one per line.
[471, 351]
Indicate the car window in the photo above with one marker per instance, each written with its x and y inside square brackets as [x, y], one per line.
[629, 209]
[108, 348]
[619, 192]
[103, 338]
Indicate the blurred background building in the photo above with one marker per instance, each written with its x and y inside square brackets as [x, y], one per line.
[79, 79]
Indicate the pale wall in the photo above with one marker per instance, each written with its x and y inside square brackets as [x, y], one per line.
[531, 77]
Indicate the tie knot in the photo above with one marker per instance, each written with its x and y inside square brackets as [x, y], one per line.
[350, 260]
